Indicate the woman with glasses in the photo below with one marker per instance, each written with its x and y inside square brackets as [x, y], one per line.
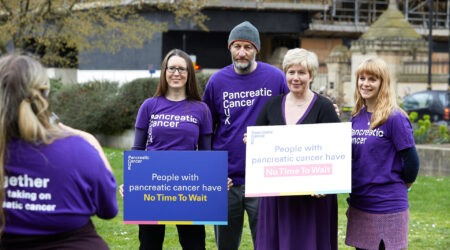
[174, 119]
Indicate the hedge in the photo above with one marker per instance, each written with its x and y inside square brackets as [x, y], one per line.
[84, 106]
[104, 107]
[123, 109]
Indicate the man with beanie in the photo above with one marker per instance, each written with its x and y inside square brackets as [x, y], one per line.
[235, 95]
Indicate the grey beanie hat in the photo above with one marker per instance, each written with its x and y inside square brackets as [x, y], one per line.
[245, 32]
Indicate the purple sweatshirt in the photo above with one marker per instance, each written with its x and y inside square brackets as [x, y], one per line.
[55, 188]
[173, 125]
[235, 101]
[377, 186]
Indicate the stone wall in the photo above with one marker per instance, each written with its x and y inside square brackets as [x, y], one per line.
[65, 75]
[122, 141]
[434, 159]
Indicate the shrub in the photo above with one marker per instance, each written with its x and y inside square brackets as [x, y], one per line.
[55, 85]
[84, 106]
[444, 138]
[202, 80]
[425, 132]
[103, 107]
[123, 109]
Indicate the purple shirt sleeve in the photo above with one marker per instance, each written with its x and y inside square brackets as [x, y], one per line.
[102, 188]
[101, 182]
[401, 131]
[208, 98]
[143, 116]
[206, 121]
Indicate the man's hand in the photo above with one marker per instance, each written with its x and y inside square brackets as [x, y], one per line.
[121, 190]
[336, 108]
[230, 183]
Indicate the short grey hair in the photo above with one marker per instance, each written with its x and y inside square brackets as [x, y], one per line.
[303, 57]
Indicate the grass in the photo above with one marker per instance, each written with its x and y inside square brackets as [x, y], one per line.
[429, 225]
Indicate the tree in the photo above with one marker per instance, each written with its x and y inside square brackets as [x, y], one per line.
[57, 29]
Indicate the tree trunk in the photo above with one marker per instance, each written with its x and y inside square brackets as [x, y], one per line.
[3, 50]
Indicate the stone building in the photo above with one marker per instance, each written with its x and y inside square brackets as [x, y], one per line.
[393, 39]
[317, 25]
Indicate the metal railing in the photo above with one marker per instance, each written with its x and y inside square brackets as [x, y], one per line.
[365, 12]
[437, 67]
[293, 5]
[283, 1]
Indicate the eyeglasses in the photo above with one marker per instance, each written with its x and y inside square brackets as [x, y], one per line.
[181, 70]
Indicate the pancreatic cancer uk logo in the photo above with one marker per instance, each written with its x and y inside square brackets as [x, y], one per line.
[168, 121]
[258, 134]
[359, 136]
[241, 99]
[136, 159]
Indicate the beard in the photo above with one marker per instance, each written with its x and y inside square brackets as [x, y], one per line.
[244, 67]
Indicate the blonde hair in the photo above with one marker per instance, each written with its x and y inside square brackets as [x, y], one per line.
[303, 57]
[24, 87]
[386, 102]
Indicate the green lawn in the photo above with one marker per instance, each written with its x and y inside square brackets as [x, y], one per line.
[429, 226]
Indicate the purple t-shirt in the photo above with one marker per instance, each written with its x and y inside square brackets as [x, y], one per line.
[173, 125]
[55, 188]
[377, 186]
[235, 101]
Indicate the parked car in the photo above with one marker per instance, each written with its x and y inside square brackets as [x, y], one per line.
[435, 103]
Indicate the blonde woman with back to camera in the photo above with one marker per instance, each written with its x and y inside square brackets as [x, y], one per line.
[52, 178]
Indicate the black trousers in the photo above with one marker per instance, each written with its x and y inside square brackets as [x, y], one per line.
[191, 237]
[381, 247]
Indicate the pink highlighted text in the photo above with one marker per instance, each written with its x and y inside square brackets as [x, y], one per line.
[298, 170]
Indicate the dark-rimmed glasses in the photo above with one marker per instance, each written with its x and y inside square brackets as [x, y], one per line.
[181, 70]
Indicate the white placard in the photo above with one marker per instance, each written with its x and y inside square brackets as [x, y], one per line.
[298, 159]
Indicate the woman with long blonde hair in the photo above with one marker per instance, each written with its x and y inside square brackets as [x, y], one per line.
[52, 178]
[384, 163]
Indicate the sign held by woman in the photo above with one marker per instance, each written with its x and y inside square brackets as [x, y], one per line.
[298, 160]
